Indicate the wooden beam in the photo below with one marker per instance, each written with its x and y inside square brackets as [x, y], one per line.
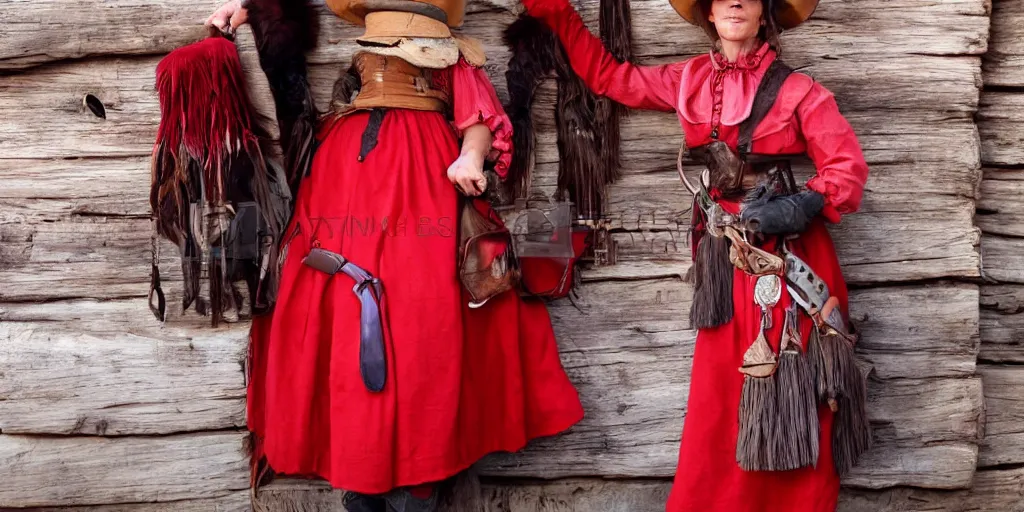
[992, 490]
[59, 29]
[87, 470]
[240, 501]
[58, 379]
[1004, 416]
[1004, 61]
[1000, 115]
[1001, 256]
[1002, 324]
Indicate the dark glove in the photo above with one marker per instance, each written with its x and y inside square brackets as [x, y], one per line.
[781, 215]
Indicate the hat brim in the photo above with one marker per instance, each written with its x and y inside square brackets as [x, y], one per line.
[791, 13]
[355, 11]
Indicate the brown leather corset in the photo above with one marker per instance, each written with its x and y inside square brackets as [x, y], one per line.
[391, 82]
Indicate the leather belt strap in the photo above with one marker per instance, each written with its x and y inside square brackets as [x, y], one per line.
[372, 357]
[764, 99]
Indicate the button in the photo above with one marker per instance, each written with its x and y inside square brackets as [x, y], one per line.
[714, 133]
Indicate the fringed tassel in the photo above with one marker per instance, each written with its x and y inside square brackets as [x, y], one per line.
[712, 283]
[581, 171]
[798, 431]
[533, 48]
[617, 35]
[840, 384]
[755, 444]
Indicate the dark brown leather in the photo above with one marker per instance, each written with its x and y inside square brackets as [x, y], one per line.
[483, 273]
[732, 175]
[390, 82]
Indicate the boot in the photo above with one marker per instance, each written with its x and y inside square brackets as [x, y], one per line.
[401, 500]
[356, 502]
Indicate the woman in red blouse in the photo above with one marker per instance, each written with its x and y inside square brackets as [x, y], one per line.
[713, 95]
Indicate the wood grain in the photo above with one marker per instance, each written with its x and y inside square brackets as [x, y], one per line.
[1004, 61]
[58, 379]
[993, 490]
[89, 470]
[240, 501]
[1002, 324]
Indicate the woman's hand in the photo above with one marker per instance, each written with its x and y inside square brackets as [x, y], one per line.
[467, 173]
[229, 17]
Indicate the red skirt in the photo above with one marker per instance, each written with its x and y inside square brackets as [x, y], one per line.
[462, 382]
[708, 479]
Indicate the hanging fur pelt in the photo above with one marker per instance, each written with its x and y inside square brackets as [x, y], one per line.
[213, 194]
[533, 57]
[588, 144]
[284, 32]
[617, 35]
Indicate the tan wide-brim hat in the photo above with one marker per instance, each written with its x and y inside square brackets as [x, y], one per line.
[390, 27]
[448, 12]
[791, 13]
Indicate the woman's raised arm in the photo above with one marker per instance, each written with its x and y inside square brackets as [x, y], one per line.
[642, 87]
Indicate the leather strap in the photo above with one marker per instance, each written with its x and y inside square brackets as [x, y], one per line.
[372, 358]
[369, 140]
[767, 92]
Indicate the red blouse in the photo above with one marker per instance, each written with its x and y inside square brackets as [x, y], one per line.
[712, 96]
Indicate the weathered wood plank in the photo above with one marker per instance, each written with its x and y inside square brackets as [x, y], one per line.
[1004, 61]
[1000, 115]
[1002, 324]
[993, 490]
[88, 470]
[58, 379]
[1001, 258]
[110, 260]
[1004, 415]
[50, 189]
[240, 501]
[895, 239]
[53, 30]
[999, 208]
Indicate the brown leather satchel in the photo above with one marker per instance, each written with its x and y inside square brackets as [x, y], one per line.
[487, 264]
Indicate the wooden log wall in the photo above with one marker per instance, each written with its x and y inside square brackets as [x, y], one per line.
[102, 408]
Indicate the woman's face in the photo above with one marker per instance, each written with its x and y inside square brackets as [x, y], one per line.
[736, 20]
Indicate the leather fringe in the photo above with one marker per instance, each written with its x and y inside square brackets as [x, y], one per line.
[533, 48]
[617, 35]
[207, 169]
[755, 444]
[285, 30]
[712, 283]
[798, 429]
[840, 384]
[588, 147]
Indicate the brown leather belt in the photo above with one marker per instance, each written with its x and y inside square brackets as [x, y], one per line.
[733, 176]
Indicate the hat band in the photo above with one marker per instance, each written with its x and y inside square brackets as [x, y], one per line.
[410, 6]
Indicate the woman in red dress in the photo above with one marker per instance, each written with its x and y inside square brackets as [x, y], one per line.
[729, 461]
[460, 382]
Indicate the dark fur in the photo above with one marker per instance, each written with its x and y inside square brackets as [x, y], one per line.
[712, 283]
[533, 48]
[617, 35]
[285, 30]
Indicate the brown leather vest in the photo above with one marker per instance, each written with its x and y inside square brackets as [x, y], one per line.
[391, 82]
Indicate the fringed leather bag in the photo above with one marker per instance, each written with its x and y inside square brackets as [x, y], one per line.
[213, 194]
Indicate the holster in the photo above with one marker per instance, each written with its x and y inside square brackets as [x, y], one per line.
[372, 356]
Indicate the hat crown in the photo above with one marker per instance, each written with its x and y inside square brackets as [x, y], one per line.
[790, 13]
[451, 12]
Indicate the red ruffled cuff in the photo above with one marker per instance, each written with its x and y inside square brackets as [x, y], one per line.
[476, 102]
[501, 132]
[829, 190]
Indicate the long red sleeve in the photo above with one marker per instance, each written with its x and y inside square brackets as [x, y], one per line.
[641, 87]
[835, 151]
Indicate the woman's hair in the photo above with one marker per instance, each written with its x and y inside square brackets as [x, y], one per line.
[768, 33]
